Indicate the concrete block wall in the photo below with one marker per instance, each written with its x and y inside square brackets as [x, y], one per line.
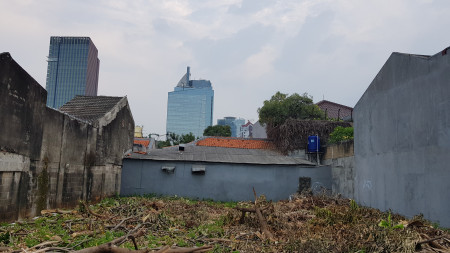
[344, 149]
[340, 157]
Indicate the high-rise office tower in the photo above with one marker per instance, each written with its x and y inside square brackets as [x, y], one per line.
[73, 66]
[190, 106]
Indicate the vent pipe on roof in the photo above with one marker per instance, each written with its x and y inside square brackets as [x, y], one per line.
[188, 74]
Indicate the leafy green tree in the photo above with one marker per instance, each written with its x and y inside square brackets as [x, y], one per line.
[282, 107]
[175, 139]
[217, 130]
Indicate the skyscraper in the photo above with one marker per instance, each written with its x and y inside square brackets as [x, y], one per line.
[73, 66]
[190, 106]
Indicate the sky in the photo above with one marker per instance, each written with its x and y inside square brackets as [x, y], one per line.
[249, 49]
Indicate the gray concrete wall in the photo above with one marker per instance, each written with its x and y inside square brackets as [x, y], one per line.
[221, 182]
[402, 138]
[340, 157]
[22, 103]
[343, 176]
[51, 160]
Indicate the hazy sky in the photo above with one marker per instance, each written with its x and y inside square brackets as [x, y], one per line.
[249, 49]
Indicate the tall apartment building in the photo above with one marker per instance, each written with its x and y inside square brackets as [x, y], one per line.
[190, 106]
[73, 67]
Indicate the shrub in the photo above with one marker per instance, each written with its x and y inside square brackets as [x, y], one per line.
[341, 134]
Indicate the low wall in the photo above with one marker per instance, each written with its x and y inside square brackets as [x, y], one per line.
[340, 157]
[221, 181]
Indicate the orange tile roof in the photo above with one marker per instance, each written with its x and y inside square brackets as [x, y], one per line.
[235, 143]
[144, 143]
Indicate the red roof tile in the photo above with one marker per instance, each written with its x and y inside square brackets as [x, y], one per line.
[235, 143]
[144, 143]
[247, 124]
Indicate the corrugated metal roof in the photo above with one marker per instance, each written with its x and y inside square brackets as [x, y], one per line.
[89, 108]
[220, 155]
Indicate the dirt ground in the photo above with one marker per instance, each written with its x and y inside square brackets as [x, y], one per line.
[151, 224]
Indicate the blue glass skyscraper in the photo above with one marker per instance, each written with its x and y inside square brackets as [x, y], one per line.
[190, 106]
[73, 67]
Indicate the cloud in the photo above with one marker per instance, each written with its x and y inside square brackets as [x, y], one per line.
[249, 49]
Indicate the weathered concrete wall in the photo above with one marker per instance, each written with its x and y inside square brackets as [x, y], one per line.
[49, 159]
[344, 149]
[342, 161]
[343, 173]
[116, 134]
[402, 138]
[12, 191]
[221, 182]
[21, 105]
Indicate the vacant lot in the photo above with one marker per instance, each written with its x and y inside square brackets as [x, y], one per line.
[302, 224]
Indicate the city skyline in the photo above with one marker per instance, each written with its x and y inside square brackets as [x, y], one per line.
[73, 68]
[249, 49]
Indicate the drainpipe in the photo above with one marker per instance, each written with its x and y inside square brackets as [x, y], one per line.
[317, 150]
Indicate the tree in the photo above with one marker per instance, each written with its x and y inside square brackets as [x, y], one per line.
[281, 107]
[217, 130]
[175, 139]
[186, 138]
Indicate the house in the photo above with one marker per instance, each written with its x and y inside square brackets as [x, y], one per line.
[54, 158]
[143, 145]
[247, 130]
[335, 111]
[402, 137]
[222, 169]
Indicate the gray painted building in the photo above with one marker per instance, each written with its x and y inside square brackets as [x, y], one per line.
[402, 138]
[221, 174]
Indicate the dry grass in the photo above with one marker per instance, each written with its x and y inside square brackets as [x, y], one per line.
[303, 224]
